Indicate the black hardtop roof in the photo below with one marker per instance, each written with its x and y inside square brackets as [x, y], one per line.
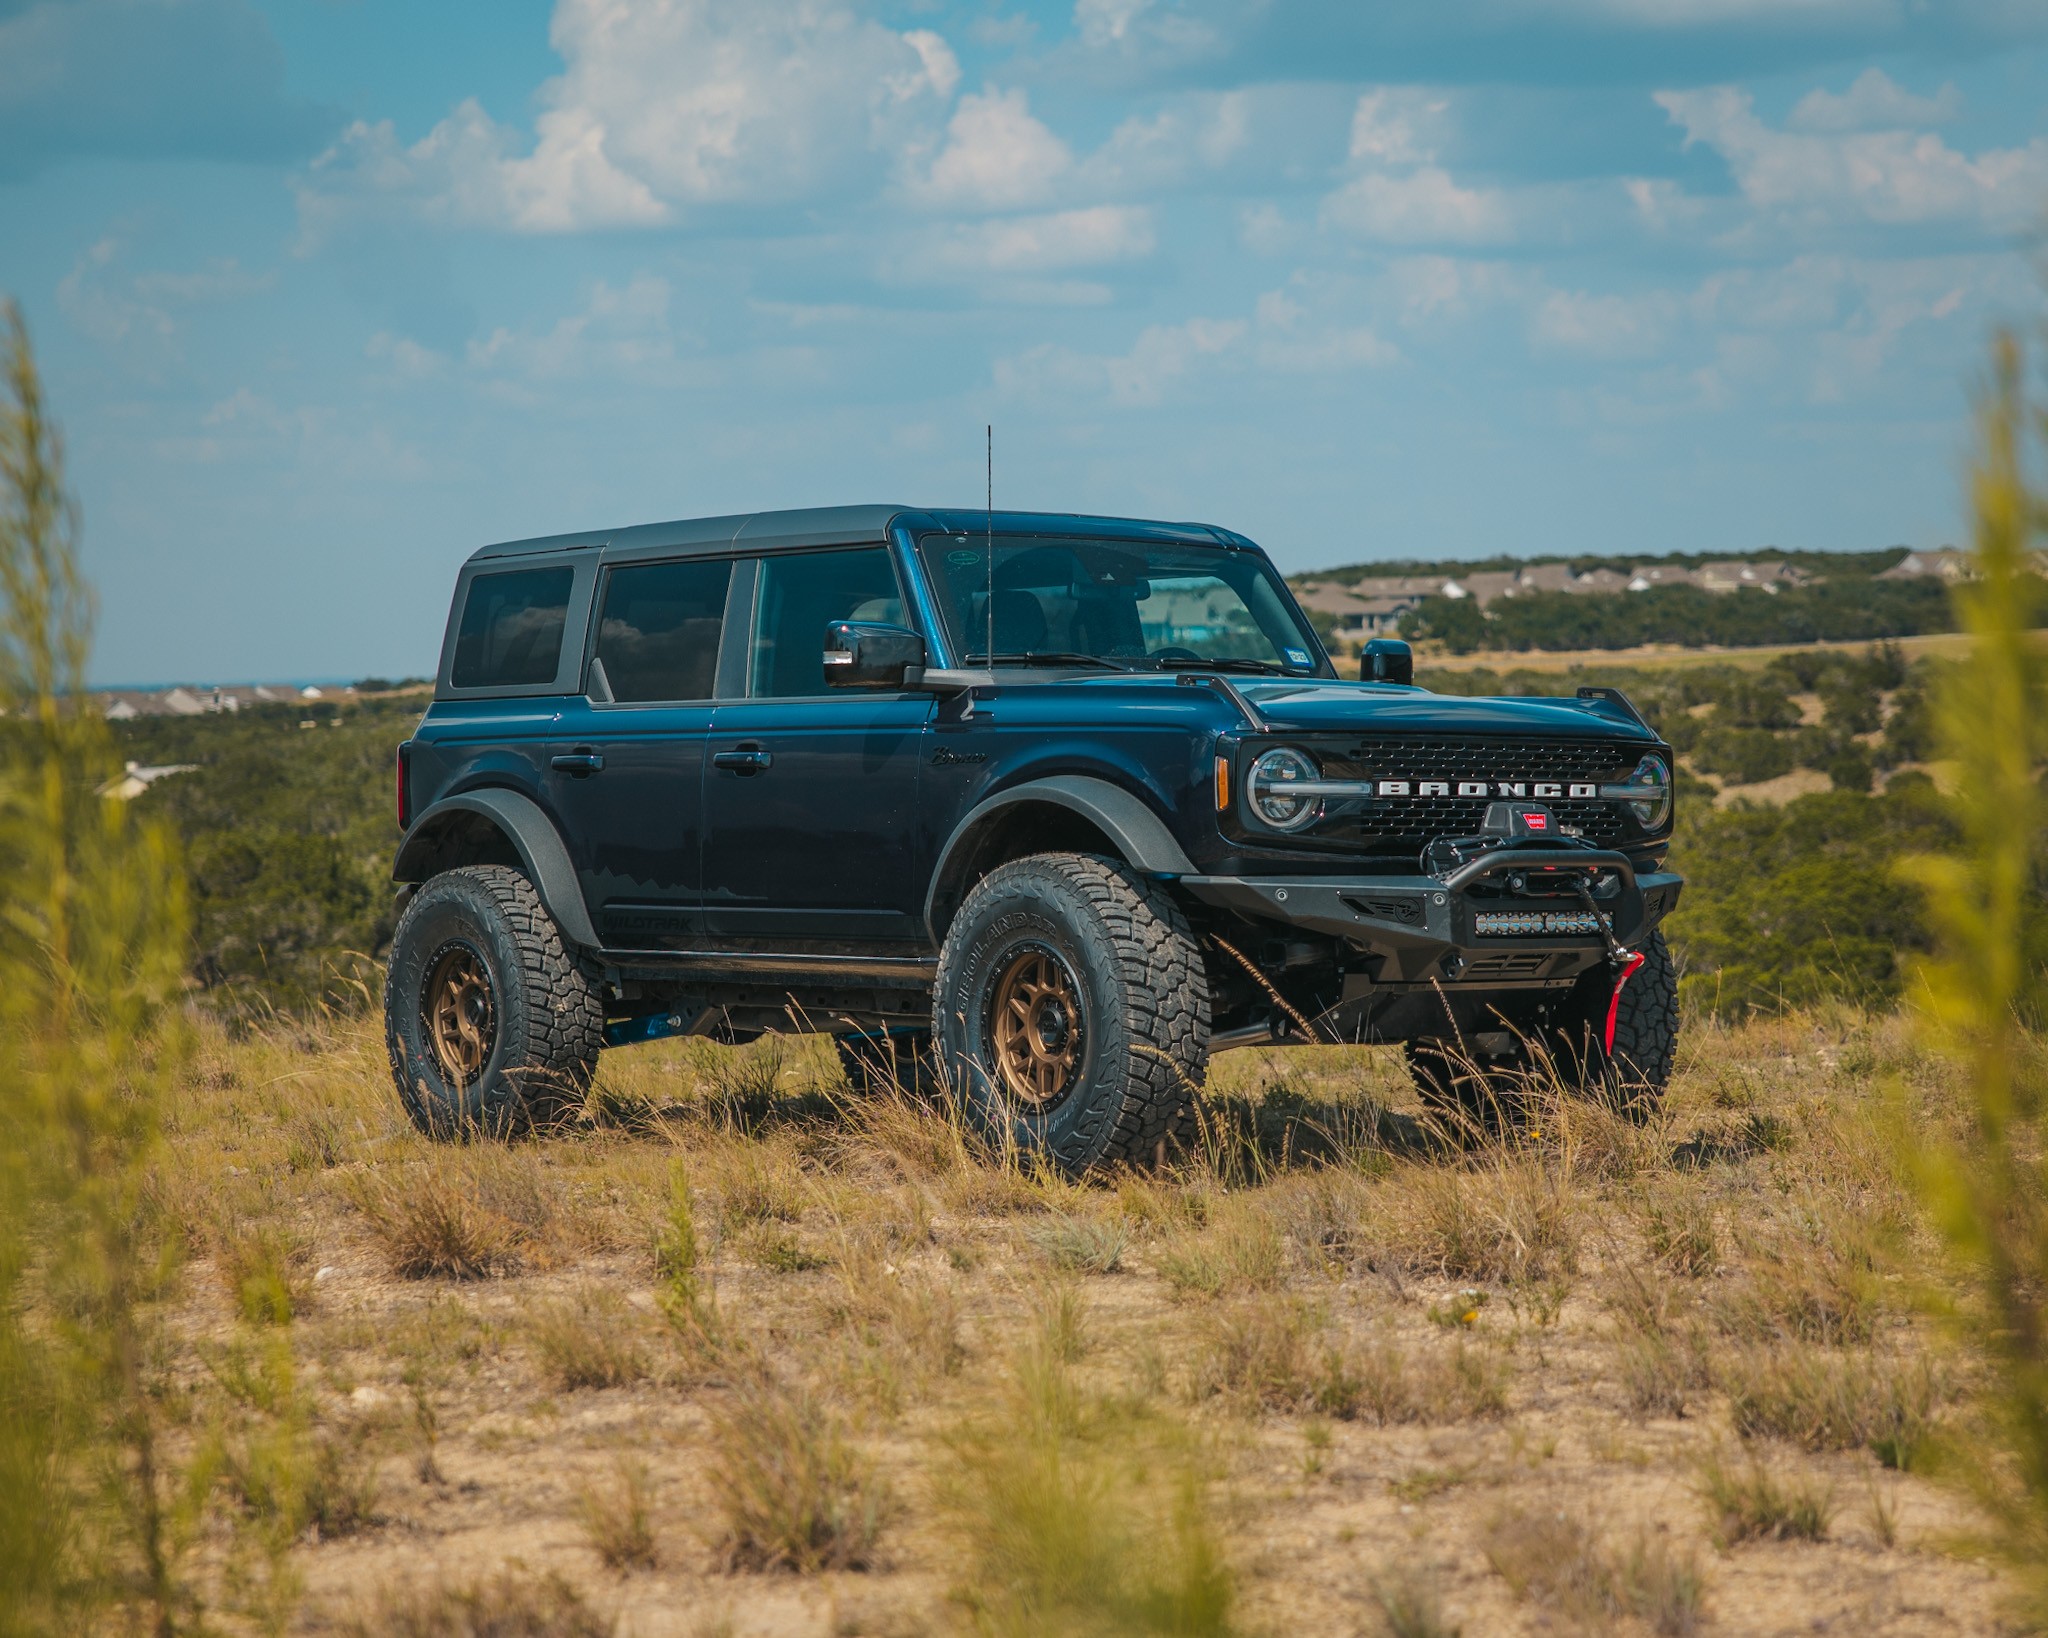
[851, 525]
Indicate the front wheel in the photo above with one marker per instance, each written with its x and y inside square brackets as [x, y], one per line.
[1635, 1072]
[491, 1025]
[1072, 1011]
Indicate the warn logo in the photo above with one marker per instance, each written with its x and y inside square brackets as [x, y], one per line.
[1527, 788]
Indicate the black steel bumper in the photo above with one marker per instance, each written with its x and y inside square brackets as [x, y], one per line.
[1424, 931]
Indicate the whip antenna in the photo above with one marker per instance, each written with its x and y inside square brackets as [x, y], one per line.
[990, 432]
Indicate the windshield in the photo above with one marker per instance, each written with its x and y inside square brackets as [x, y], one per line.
[1131, 603]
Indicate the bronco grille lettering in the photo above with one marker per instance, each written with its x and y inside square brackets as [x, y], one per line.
[1574, 790]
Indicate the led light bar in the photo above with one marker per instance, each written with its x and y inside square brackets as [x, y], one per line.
[1524, 923]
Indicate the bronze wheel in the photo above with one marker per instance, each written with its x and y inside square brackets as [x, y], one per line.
[1035, 1027]
[456, 1013]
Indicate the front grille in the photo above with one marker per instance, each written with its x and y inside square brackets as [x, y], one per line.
[1404, 826]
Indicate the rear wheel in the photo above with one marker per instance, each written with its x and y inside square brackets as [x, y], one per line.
[491, 1025]
[1071, 1010]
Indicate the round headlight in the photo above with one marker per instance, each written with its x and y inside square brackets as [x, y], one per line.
[1267, 790]
[1653, 779]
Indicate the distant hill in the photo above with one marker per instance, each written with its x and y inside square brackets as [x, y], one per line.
[1697, 599]
[1828, 565]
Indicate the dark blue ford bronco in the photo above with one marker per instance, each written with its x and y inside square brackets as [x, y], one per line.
[1042, 810]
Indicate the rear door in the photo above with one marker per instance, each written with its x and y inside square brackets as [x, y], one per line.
[810, 792]
[626, 765]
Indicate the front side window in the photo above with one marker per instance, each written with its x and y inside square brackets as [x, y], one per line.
[1129, 603]
[800, 594]
[511, 630]
[658, 635]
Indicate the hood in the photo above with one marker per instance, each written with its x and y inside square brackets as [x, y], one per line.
[1379, 708]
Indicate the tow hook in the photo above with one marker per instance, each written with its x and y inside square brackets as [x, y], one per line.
[1619, 956]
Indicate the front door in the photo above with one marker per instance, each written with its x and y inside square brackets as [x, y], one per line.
[810, 792]
[626, 768]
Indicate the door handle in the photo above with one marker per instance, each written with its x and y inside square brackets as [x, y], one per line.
[577, 764]
[747, 761]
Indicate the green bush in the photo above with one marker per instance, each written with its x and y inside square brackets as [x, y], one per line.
[1743, 756]
[288, 834]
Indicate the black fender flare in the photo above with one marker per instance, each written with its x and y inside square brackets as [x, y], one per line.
[1139, 834]
[542, 853]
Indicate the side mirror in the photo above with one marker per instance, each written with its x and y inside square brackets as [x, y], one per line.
[868, 654]
[1387, 660]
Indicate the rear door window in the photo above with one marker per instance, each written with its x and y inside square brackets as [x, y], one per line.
[511, 631]
[800, 594]
[658, 635]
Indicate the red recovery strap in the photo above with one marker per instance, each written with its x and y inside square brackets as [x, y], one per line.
[1635, 959]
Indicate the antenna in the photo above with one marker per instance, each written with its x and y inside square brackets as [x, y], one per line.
[990, 432]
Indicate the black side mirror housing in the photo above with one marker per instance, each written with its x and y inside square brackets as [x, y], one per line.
[1387, 660]
[869, 654]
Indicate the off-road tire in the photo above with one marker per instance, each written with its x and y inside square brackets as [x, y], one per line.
[892, 1063]
[1634, 1076]
[547, 1023]
[1144, 1001]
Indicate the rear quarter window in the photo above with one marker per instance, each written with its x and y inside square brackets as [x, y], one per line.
[511, 630]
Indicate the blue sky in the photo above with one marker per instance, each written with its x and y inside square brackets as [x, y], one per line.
[329, 292]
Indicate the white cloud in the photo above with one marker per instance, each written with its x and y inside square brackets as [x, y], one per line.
[1199, 133]
[1425, 206]
[620, 331]
[1388, 124]
[1050, 243]
[1294, 331]
[997, 156]
[1400, 194]
[1107, 22]
[1874, 102]
[1602, 326]
[141, 311]
[1888, 177]
[662, 105]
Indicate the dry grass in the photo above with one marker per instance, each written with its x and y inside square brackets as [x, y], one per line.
[1830, 1399]
[1557, 1563]
[844, 1340]
[791, 1490]
[1508, 1216]
[588, 1340]
[508, 1605]
[1280, 1354]
[1749, 1501]
[617, 1521]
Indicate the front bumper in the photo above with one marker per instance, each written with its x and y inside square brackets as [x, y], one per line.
[1424, 931]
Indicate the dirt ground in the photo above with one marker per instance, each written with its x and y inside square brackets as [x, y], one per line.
[1330, 1374]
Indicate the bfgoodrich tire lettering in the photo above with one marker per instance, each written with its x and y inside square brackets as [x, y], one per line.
[481, 936]
[1115, 946]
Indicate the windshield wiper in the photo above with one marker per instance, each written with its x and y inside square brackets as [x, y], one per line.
[1208, 662]
[1039, 656]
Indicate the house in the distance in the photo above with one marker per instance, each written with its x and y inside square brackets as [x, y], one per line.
[126, 786]
[1771, 576]
[1940, 562]
[126, 704]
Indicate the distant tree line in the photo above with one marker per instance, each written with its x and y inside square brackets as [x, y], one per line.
[1827, 611]
[288, 835]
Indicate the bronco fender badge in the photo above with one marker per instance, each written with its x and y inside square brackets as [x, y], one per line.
[947, 758]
